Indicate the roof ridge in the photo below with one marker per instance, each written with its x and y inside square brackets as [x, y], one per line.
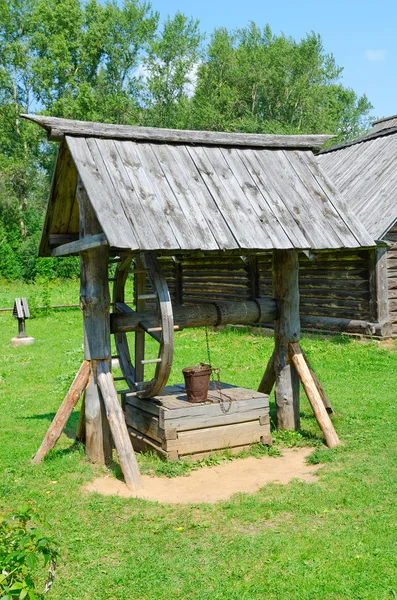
[57, 128]
[364, 138]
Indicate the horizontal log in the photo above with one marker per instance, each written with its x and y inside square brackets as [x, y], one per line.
[57, 127]
[337, 324]
[263, 310]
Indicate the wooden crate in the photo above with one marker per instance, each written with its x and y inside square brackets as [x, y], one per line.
[174, 427]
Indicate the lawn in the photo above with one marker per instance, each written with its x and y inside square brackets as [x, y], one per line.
[334, 539]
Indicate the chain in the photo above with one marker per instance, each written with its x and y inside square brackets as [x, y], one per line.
[217, 381]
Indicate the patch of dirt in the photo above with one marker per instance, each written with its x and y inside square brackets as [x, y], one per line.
[211, 484]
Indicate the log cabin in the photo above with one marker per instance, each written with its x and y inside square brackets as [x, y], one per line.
[361, 292]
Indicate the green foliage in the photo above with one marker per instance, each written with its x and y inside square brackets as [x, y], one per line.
[23, 549]
[112, 62]
[255, 81]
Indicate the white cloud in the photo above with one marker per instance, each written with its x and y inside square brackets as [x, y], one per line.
[375, 55]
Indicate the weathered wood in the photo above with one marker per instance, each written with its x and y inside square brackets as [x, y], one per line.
[162, 421]
[327, 404]
[322, 418]
[120, 435]
[215, 438]
[86, 243]
[263, 310]
[98, 439]
[62, 203]
[95, 306]
[57, 239]
[338, 324]
[269, 376]
[102, 130]
[80, 430]
[286, 330]
[65, 410]
[379, 307]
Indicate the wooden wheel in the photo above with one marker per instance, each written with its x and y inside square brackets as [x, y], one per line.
[147, 274]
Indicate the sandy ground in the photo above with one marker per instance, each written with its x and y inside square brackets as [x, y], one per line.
[211, 484]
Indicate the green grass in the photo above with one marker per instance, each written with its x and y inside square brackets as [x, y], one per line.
[334, 539]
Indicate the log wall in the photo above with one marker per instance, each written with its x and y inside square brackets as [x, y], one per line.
[334, 285]
[392, 278]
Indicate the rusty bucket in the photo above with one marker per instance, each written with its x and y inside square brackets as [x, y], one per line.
[197, 381]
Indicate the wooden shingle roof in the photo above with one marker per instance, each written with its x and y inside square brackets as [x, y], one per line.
[365, 172]
[179, 191]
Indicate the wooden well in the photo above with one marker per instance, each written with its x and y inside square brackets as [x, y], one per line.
[171, 426]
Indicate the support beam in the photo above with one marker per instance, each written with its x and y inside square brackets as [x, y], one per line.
[118, 427]
[261, 310]
[86, 243]
[269, 377]
[286, 330]
[95, 306]
[65, 410]
[312, 393]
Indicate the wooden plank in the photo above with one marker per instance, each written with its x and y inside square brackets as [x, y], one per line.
[120, 435]
[64, 411]
[252, 219]
[214, 438]
[182, 229]
[177, 178]
[264, 177]
[103, 130]
[322, 418]
[141, 182]
[229, 206]
[216, 222]
[57, 239]
[134, 209]
[144, 422]
[188, 422]
[61, 199]
[277, 236]
[328, 186]
[102, 194]
[87, 243]
[324, 208]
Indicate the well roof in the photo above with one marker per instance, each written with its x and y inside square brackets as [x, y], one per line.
[181, 191]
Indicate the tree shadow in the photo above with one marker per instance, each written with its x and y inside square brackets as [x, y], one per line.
[70, 427]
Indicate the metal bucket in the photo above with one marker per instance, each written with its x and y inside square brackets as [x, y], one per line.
[197, 381]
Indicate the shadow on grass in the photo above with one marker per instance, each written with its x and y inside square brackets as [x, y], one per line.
[70, 428]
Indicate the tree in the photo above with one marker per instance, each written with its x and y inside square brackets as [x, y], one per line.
[253, 80]
[170, 70]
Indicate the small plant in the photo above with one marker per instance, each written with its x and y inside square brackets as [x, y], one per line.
[23, 549]
[321, 455]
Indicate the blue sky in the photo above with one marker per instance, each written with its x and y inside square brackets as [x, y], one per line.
[362, 36]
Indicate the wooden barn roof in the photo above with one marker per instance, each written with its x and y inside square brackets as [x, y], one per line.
[180, 191]
[365, 172]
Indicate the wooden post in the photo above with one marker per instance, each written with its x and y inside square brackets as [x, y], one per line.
[65, 410]
[95, 305]
[286, 329]
[120, 434]
[378, 288]
[312, 393]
